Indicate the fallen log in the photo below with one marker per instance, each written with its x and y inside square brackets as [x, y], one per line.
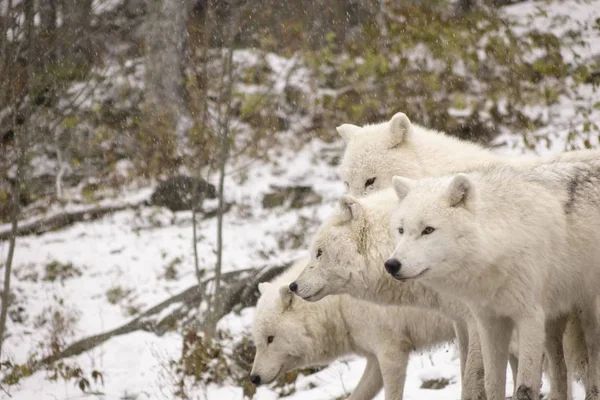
[59, 221]
[240, 289]
[65, 219]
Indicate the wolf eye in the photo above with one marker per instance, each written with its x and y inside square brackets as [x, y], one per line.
[347, 185]
[270, 339]
[401, 231]
[427, 230]
[319, 252]
[369, 182]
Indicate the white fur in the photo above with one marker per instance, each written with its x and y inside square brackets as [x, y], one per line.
[379, 152]
[352, 246]
[520, 246]
[397, 147]
[308, 334]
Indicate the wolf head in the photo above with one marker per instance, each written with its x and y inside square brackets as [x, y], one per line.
[346, 246]
[434, 227]
[280, 334]
[375, 153]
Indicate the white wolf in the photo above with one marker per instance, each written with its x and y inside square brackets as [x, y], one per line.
[291, 333]
[347, 256]
[520, 246]
[375, 153]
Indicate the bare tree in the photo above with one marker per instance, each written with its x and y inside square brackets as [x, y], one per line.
[202, 119]
[21, 145]
[223, 118]
[9, 260]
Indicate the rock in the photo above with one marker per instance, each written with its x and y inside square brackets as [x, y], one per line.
[435, 384]
[176, 193]
[293, 196]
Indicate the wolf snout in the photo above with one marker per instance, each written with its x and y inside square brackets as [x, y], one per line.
[255, 379]
[293, 286]
[393, 265]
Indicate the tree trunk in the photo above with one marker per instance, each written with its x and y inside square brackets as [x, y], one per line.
[167, 48]
[9, 262]
[203, 117]
[22, 141]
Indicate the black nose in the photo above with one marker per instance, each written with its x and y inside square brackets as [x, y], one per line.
[293, 286]
[392, 265]
[255, 379]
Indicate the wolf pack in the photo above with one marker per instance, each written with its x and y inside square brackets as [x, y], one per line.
[439, 239]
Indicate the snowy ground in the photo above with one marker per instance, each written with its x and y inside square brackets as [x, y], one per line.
[130, 251]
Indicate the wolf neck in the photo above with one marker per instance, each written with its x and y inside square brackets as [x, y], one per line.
[439, 154]
[331, 330]
[387, 291]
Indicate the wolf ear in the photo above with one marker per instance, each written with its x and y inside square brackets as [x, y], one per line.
[263, 286]
[402, 186]
[399, 127]
[286, 296]
[461, 191]
[348, 131]
[351, 208]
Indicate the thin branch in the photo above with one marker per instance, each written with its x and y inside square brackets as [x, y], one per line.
[194, 228]
[21, 142]
[9, 261]
[203, 118]
[226, 99]
[4, 390]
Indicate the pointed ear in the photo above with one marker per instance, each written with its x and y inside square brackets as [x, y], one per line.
[263, 286]
[402, 186]
[286, 296]
[461, 191]
[399, 127]
[351, 208]
[348, 131]
[354, 212]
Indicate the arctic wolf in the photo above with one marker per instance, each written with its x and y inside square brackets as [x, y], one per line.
[347, 256]
[520, 246]
[375, 153]
[292, 333]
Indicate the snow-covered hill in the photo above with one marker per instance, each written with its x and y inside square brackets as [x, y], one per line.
[101, 273]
